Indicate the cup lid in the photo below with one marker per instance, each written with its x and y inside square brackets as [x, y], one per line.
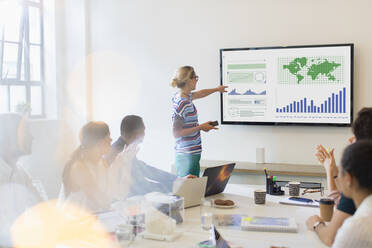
[327, 201]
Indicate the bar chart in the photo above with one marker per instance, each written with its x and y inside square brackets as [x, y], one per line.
[335, 103]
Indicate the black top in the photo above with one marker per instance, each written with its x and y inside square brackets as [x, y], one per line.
[346, 205]
[145, 178]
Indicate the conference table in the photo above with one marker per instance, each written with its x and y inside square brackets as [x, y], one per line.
[242, 195]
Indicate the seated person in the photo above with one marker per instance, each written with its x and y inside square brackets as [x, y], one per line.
[362, 129]
[88, 179]
[18, 191]
[355, 181]
[144, 178]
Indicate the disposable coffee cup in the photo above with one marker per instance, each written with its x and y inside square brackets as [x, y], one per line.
[259, 196]
[294, 188]
[326, 206]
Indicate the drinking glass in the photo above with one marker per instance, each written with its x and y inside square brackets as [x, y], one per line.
[206, 214]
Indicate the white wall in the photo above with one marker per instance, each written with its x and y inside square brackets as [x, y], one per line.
[137, 46]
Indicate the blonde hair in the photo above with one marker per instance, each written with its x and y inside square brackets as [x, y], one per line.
[183, 75]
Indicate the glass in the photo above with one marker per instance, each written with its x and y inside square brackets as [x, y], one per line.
[35, 63]
[206, 214]
[34, 24]
[10, 19]
[17, 99]
[4, 99]
[10, 61]
[36, 100]
[125, 234]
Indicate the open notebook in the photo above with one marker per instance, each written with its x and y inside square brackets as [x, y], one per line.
[269, 224]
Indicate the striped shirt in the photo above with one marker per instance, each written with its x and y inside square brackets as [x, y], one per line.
[184, 109]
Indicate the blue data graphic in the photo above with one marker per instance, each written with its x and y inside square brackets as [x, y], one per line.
[247, 93]
[336, 103]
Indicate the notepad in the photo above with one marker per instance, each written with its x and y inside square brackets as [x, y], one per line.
[287, 201]
[269, 224]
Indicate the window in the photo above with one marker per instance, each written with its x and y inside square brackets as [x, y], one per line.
[21, 57]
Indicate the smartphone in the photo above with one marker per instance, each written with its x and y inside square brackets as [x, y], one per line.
[300, 199]
[214, 123]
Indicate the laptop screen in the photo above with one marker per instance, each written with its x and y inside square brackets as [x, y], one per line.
[217, 178]
[219, 241]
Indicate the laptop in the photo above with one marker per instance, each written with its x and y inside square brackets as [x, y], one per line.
[216, 240]
[192, 190]
[217, 178]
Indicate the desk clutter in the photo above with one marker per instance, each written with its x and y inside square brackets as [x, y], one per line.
[274, 186]
[158, 216]
[153, 216]
[255, 223]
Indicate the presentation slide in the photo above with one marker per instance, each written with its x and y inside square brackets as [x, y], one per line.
[294, 85]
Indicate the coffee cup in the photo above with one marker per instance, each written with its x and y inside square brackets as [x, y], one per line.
[294, 188]
[326, 206]
[260, 196]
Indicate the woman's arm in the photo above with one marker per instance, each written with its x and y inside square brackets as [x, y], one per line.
[207, 92]
[178, 131]
[328, 160]
[82, 181]
[327, 233]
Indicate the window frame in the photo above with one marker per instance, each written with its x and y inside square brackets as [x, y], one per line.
[24, 45]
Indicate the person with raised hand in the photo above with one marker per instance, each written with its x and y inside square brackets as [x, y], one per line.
[355, 181]
[362, 130]
[144, 177]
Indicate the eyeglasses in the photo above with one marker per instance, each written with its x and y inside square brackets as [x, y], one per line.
[196, 77]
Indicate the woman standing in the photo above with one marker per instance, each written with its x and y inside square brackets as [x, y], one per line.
[186, 128]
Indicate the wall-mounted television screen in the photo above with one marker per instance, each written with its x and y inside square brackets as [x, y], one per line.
[300, 85]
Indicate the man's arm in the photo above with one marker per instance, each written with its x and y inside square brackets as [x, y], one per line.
[153, 173]
[207, 92]
[327, 233]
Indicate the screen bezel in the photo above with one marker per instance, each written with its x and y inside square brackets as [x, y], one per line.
[350, 45]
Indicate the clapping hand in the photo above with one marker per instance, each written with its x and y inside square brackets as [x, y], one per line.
[326, 158]
[129, 152]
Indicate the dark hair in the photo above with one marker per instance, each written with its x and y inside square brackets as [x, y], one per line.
[357, 160]
[93, 132]
[90, 134]
[130, 124]
[362, 126]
